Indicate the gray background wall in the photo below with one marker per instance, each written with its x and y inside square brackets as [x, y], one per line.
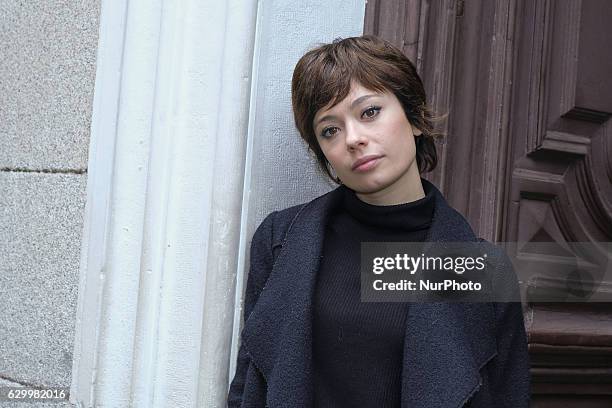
[47, 72]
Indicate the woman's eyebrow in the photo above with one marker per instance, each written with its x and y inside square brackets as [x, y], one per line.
[361, 99]
[353, 104]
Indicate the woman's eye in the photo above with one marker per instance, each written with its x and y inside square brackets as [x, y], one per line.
[371, 112]
[329, 132]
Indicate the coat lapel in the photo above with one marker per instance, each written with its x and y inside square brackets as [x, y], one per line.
[278, 334]
[443, 349]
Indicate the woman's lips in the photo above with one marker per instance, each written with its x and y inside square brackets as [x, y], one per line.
[367, 165]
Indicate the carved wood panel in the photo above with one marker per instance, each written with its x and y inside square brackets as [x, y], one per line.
[561, 187]
[527, 158]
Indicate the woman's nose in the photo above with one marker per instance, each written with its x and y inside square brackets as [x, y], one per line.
[355, 137]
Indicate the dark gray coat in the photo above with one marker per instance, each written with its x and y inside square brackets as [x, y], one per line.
[455, 354]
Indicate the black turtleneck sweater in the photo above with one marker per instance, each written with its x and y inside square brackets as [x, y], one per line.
[358, 346]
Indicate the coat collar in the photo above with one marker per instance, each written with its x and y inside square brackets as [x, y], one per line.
[443, 349]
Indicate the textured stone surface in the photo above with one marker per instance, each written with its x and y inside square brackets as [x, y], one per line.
[47, 71]
[41, 221]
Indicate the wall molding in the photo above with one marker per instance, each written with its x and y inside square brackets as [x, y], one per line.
[163, 179]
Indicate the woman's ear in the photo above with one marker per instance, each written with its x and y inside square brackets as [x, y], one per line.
[416, 131]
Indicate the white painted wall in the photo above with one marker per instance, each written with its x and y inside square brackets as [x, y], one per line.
[192, 143]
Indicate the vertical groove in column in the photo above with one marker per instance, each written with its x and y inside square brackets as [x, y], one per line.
[226, 203]
[99, 184]
[121, 278]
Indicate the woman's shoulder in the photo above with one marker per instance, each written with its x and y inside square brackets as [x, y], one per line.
[275, 225]
[282, 219]
[278, 222]
[288, 214]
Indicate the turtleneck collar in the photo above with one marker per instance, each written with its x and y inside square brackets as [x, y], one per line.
[415, 215]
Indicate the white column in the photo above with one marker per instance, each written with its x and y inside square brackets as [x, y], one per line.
[162, 222]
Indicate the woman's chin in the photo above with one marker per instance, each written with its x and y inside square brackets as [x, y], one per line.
[367, 187]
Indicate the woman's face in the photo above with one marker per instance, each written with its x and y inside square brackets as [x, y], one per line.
[369, 143]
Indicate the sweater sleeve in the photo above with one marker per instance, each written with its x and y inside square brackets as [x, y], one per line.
[261, 261]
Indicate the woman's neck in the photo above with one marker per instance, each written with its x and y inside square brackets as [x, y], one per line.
[406, 189]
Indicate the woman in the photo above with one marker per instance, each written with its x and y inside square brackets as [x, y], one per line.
[308, 339]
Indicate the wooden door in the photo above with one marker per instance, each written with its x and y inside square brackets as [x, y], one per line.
[527, 85]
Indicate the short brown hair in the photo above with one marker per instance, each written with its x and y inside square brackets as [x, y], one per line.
[324, 75]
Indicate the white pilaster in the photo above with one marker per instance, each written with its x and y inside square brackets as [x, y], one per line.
[162, 222]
